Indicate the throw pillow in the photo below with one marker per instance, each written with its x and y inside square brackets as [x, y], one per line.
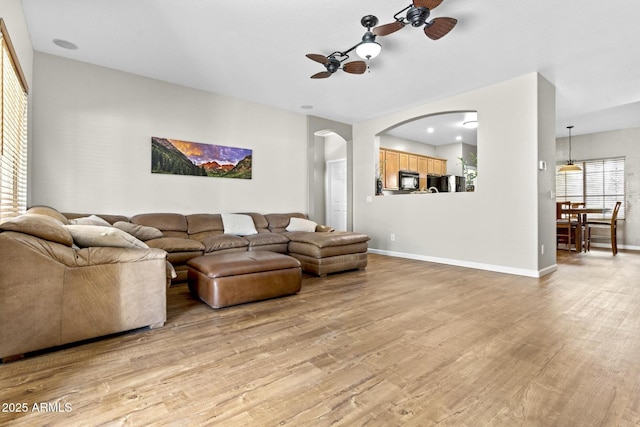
[48, 211]
[96, 235]
[301, 224]
[41, 226]
[238, 224]
[90, 220]
[138, 231]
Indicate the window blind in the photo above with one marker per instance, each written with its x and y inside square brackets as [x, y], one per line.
[13, 132]
[599, 185]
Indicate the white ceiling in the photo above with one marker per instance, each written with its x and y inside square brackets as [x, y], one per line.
[256, 50]
[445, 128]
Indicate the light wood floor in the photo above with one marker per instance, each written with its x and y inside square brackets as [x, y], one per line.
[401, 343]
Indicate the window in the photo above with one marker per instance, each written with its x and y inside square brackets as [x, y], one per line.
[13, 131]
[599, 185]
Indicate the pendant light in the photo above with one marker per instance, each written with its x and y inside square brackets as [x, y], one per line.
[570, 167]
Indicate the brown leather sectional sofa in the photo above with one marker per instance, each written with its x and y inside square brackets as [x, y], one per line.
[53, 292]
[187, 236]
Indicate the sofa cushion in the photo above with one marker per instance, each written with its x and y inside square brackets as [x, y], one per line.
[266, 238]
[176, 244]
[171, 224]
[301, 224]
[259, 221]
[95, 235]
[219, 242]
[138, 231]
[278, 222]
[238, 224]
[322, 240]
[41, 226]
[204, 223]
[48, 211]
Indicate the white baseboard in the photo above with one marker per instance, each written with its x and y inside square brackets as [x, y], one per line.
[469, 264]
[608, 246]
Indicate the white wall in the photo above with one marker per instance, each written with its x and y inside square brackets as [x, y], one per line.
[402, 144]
[451, 152]
[11, 13]
[335, 147]
[495, 228]
[617, 143]
[92, 130]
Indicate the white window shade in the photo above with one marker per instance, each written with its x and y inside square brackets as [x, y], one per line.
[13, 132]
[600, 184]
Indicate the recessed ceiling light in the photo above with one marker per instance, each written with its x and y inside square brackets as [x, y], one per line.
[458, 138]
[65, 44]
[470, 124]
[306, 107]
[430, 130]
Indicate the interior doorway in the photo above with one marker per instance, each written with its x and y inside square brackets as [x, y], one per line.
[328, 143]
[336, 194]
[331, 176]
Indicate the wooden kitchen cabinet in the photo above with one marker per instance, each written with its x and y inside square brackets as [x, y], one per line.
[391, 162]
[440, 167]
[431, 169]
[413, 162]
[422, 171]
[404, 161]
[391, 168]
[408, 162]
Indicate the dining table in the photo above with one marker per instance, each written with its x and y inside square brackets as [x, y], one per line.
[581, 213]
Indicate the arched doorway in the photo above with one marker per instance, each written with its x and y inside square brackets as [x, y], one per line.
[330, 175]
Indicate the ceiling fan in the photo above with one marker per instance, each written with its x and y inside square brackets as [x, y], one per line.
[417, 14]
[367, 49]
[333, 64]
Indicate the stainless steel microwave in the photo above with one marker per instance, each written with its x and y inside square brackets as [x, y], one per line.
[408, 180]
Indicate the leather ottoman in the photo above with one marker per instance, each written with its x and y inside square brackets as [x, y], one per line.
[225, 279]
[325, 253]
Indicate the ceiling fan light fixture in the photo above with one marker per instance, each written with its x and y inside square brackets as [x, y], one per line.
[369, 48]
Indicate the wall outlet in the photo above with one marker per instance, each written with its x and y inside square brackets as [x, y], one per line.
[393, 237]
[541, 249]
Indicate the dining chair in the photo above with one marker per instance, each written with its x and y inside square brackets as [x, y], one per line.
[578, 220]
[565, 227]
[576, 205]
[611, 224]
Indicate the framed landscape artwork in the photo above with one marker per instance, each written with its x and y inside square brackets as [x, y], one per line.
[172, 156]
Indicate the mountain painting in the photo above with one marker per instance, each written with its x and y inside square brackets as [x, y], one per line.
[177, 157]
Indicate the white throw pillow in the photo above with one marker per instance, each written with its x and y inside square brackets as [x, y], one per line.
[96, 235]
[238, 224]
[301, 224]
[90, 220]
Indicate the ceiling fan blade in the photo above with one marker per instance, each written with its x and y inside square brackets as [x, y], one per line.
[386, 29]
[318, 58]
[429, 4]
[355, 67]
[321, 75]
[439, 27]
